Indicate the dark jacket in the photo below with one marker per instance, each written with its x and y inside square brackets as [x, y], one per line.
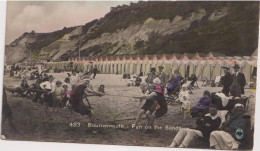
[226, 80]
[76, 95]
[241, 80]
[163, 108]
[76, 100]
[95, 70]
[239, 127]
[207, 124]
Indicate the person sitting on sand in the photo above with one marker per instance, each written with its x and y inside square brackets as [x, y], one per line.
[128, 76]
[135, 82]
[22, 89]
[101, 88]
[124, 76]
[138, 80]
[153, 95]
[234, 134]
[205, 125]
[252, 83]
[202, 106]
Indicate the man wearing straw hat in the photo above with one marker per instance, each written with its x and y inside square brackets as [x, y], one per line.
[238, 82]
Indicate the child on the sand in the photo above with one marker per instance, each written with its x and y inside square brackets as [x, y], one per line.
[184, 98]
[57, 100]
[101, 88]
[138, 80]
[66, 95]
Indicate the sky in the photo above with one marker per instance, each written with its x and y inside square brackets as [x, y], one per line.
[25, 16]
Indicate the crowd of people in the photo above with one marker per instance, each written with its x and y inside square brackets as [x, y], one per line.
[60, 94]
[233, 131]
[230, 133]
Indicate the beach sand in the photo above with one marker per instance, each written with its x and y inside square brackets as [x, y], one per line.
[110, 110]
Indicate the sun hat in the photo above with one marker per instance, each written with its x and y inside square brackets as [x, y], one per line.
[157, 81]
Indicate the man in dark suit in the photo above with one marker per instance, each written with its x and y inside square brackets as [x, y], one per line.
[238, 82]
[226, 81]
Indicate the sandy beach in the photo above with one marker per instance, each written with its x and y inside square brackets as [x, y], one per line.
[114, 114]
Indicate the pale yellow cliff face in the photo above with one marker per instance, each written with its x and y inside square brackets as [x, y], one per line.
[141, 32]
[18, 52]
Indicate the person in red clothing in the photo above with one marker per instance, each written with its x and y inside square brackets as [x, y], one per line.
[154, 97]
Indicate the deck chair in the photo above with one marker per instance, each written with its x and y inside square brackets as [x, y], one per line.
[193, 78]
[172, 99]
[231, 102]
[189, 86]
[243, 100]
[174, 94]
[247, 100]
[196, 86]
[86, 102]
[206, 82]
[223, 114]
[217, 80]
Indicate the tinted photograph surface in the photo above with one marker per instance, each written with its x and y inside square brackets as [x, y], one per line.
[154, 74]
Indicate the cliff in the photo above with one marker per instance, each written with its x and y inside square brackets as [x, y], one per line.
[143, 28]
